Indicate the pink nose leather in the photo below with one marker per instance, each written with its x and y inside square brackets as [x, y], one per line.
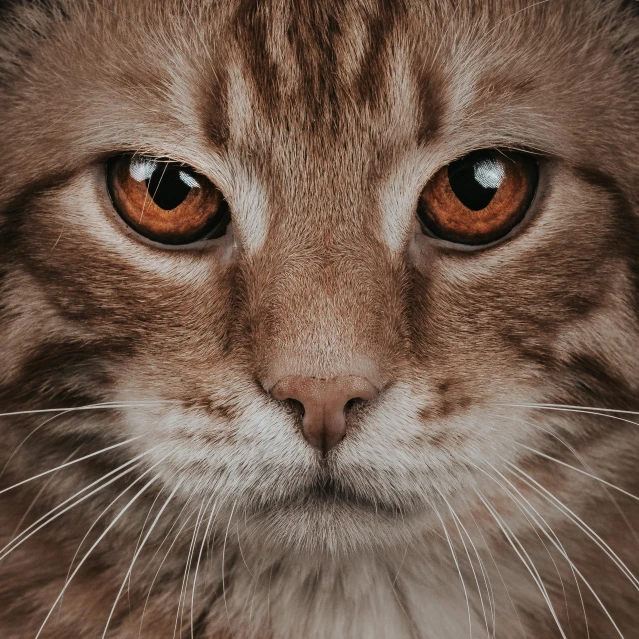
[324, 402]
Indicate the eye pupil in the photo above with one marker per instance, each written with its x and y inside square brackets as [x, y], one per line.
[475, 179]
[169, 186]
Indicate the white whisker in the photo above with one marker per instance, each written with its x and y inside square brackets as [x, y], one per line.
[178, 616]
[43, 521]
[157, 572]
[138, 551]
[226, 534]
[102, 406]
[501, 578]
[579, 470]
[44, 487]
[71, 463]
[452, 550]
[95, 544]
[199, 559]
[555, 541]
[523, 555]
[457, 523]
[539, 489]
[534, 525]
[567, 407]
[583, 463]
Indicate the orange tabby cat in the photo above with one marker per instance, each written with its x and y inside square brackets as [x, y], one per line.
[318, 319]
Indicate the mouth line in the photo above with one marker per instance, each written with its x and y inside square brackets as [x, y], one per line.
[328, 492]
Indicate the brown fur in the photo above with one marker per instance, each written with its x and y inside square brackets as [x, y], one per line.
[320, 122]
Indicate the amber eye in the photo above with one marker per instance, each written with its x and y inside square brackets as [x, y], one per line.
[479, 198]
[166, 201]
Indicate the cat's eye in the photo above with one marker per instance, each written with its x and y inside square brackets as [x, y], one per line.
[166, 201]
[479, 198]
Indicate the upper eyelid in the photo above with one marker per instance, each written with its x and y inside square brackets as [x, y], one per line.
[215, 167]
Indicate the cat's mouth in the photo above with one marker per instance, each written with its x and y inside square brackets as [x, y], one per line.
[327, 491]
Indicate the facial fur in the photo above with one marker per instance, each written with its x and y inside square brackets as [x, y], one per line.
[320, 122]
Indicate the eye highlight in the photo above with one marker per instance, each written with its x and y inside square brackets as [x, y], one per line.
[479, 198]
[166, 201]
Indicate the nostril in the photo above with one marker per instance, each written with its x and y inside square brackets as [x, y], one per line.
[353, 403]
[296, 407]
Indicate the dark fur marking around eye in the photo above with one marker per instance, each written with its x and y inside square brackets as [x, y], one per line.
[626, 241]
[370, 86]
[251, 22]
[212, 107]
[61, 374]
[11, 213]
[431, 107]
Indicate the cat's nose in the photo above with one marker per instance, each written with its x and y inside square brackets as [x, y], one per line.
[325, 403]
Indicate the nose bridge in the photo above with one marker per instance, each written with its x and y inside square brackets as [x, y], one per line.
[323, 279]
[318, 311]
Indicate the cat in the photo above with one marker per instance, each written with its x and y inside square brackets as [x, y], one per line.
[319, 318]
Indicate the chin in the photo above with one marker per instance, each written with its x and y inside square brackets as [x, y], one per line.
[330, 524]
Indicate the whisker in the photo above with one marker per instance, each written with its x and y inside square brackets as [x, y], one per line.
[472, 567]
[563, 409]
[186, 504]
[111, 504]
[581, 471]
[106, 509]
[557, 545]
[485, 577]
[38, 525]
[452, 550]
[256, 583]
[46, 484]
[139, 550]
[102, 406]
[137, 544]
[21, 444]
[178, 617]
[157, 572]
[401, 563]
[71, 463]
[228, 619]
[199, 558]
[492, 557]
[567, 407]
[512, 15]
[60, 412]
[539, 489]
[582, 462]
[523, 555]
[95, 544]
[239, 547]
[534, 525]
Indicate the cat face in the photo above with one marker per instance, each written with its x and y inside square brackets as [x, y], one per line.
[324, 292]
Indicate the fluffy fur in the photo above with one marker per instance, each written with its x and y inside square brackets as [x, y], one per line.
[468, 493]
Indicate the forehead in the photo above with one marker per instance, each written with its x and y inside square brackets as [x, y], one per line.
[285, 84]
[373, 72]
[318, 96]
